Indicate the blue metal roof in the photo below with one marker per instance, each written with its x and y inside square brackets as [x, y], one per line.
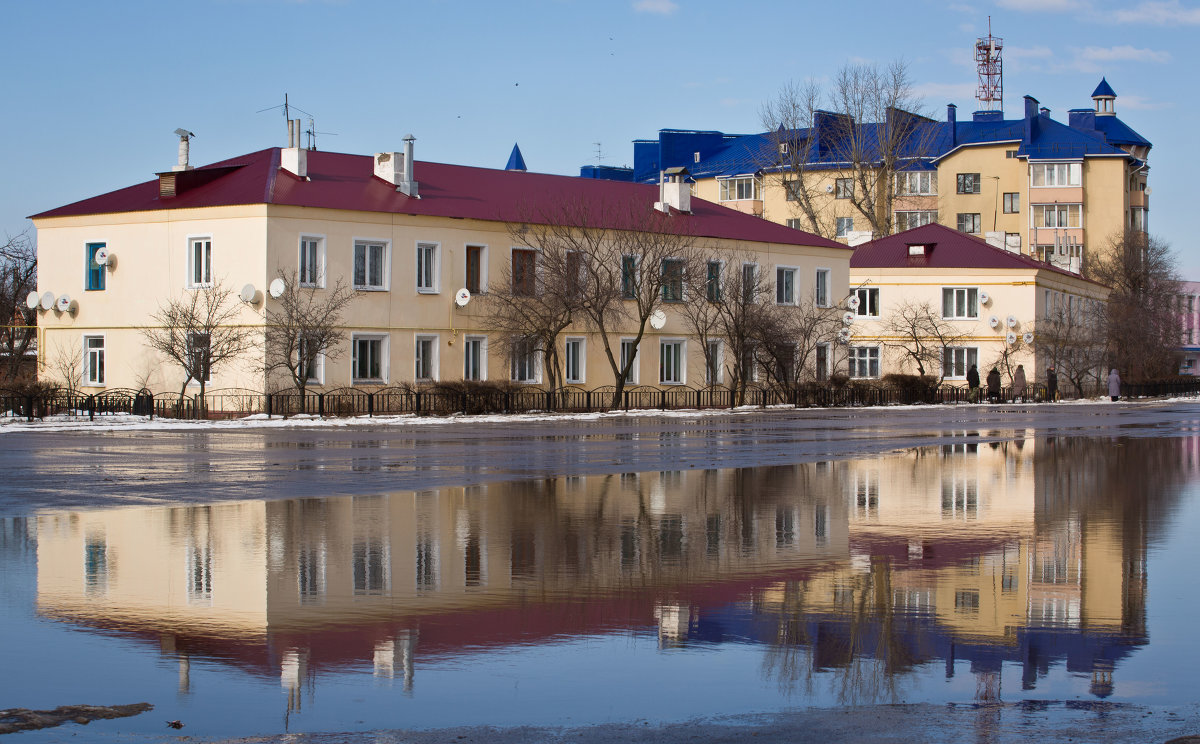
[1104, 90]
[515, 161]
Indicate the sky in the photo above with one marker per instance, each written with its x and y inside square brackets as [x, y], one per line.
[94, 91]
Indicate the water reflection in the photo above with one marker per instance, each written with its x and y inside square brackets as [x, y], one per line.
[857, 573]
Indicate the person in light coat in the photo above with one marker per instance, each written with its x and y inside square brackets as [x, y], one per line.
[1018, 383]
[1114, 385]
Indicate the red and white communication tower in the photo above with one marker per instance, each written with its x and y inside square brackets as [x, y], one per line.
[991, 71]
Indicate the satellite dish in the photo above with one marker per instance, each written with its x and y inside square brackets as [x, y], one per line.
[1028, 337]
[829, 188]
[103, 257]
[1012, 321]
[63, 303]
[276, 288]
[658, 319]
[843, 336]
[984, 297]
[250, 295]
[32, 300]
[852, 303]
[994, 322]
[847, 317]
[1149, 191]
[48, 301]
[1011, 337]
[462, 297]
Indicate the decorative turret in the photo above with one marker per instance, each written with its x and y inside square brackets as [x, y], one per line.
[1105, 98]
[515, 161]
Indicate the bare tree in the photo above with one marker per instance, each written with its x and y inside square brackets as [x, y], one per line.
[1073, 337]
[1144, 325]
[18, 332]
[792, 152]
[304, 326]
[199, 333]
[808, 325]
[921, 336]
[66, 367]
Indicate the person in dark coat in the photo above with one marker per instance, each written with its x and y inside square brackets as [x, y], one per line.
[1114, 385]
[993, 383]
[1018, 383]
[973, 384]
[1051, 383]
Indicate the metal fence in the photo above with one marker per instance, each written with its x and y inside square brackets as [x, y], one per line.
[237, 403]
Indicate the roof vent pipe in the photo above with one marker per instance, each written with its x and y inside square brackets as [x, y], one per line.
[408, 185]
[184, 146]
[294, 158]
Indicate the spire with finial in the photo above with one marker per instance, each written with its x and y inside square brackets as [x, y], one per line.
[515, 161]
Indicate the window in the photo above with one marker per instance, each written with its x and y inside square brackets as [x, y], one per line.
[199, 356]
[1139, 219]
[795, 223]
[672, 280]
[524, 361]
[960, 303]
[844, 225]
[425, 356]
[671, 362]
[427, 267]
[791, 189]
[475, 280]
[576, 359]
[916, 183]
[738, 189]
[968, 222]
[93, 360]
[312, 261]
[843, 188]
[784, 356]
[911, 219]
[1055, 174]
[311, 361]
[822, 362]
[629, 357]
[200, 262]
[524, 271]
[748, 365]
[369, 259]
[94, 272]
[372, 566]
[575, 274]
[712, 282]
[967, 183]
[785, 286]
[749, 282]
[474, 358]
[1012, 154]
[367, 358]
[864, 361]
[629, 280]
[712, 363]
[1057, 215]
[957, 360]
[822, 288]
[1012, 202]
[868, 302]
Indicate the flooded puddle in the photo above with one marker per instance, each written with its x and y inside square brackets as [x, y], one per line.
[1008, 570]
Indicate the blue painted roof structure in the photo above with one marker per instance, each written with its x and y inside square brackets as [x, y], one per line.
[712, 154]
[1104, 90]
[515, 161]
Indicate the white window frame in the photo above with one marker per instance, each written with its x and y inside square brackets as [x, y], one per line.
[1068, 212]
[677, 375]
[969, 358]
[207, 281]
[823, 276]
[580, 361]
[863, 355]
[735, 184]
[632, 377]
[384, 356]
[972, 306]
[1056, 175]
[318, 364]
[483, 356]
[89, 369]
[905, 183]
[431, 363]
[385, 268]
[864, 295]
[844, 225]
[794, 272]
[534, 365]
[318, 279]
[718, 358]
[914, 218]
[976, 222]
[483, 265]
[432, 250]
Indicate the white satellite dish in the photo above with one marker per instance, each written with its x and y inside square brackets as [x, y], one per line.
[250, 295]
[1149, 191]
[276, 288]
[1012, 321]
[852, 303]
[462, 297]
[658, 319]
[103, 257]
[1028, 337]
[847, 317]
[843, 336]
[1011, 337]
[48, 301]
[829, 188]
[984, 297]
[994, 322]
[63, 303]
[32, 300]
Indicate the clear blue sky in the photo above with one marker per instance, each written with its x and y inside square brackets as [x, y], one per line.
[93, 91]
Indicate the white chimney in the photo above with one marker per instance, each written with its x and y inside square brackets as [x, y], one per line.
[675, 191]
[995, 239]
[184, 146]
[396, 168]
[294, 158]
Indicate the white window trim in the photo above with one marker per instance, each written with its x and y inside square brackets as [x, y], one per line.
[795, 284]
[1039, 210]
[683, 355]
[757, 279]
[321, 270]
[434, 347]
[634, 377]
[191, 260]
[828, 360]
[723, 185]
[435, 274]
[1044, 163]
[387, 264]
[828, 287]
[582, 360]
[878, 355]
[960, 317]
[86, 381]
[839, 232]
[483, 265]
[863, 309]
[966, 360]
[319, 363]
[384, 356]
[537, 368]
[483, 356]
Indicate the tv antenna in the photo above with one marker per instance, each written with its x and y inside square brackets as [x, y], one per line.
[287, 108]
[599, 152]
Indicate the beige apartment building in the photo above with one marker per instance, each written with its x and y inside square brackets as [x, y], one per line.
[407, 235]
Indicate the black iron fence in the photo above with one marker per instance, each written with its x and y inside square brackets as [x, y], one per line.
[236, 403]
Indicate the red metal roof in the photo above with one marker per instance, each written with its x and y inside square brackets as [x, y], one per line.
[948, 249]
[341, 181]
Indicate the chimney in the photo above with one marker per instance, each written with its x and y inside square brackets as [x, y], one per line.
[952, 122]
[184, 146]
[1044, 112]
[294, 158]
[675, 192]
[1031, 107]
[396, 167]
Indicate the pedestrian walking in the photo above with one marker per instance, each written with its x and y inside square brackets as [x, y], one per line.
[973, 384]
[1114, 385]
[993, 385]
[1018, 383]
[1051, 383]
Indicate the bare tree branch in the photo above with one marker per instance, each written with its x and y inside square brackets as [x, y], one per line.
[304, 325]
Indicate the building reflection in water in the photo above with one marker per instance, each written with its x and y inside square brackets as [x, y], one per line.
[1028, 552]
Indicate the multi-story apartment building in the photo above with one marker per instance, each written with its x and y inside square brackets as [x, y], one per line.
[1189, 313]
[326, 217]
[1034, 185]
